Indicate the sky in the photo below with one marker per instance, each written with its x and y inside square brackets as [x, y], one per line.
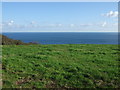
[59, 17]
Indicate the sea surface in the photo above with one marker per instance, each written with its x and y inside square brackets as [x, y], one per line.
[66, 37]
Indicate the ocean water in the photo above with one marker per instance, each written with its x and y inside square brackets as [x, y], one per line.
[66, 37]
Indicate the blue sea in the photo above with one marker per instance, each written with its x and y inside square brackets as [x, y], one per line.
[66, 37]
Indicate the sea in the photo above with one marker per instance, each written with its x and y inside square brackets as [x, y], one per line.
[65, 37]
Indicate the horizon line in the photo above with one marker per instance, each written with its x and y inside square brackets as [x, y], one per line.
[60, 1]
[59, 32]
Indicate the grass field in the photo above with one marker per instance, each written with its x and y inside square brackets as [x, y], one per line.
[60, 66]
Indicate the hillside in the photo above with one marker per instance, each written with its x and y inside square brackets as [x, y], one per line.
[9, 41]
[60, 66]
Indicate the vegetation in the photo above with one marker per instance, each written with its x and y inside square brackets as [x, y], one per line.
[60, 66]
[8, 41]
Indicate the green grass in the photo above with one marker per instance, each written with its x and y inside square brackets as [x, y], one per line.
[60, 66]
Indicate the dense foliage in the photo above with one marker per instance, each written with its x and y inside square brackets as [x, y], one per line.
[60, 66]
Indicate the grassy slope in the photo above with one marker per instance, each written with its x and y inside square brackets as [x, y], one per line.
[65, 66]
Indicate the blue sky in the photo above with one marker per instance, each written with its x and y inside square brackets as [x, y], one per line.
[59, 16]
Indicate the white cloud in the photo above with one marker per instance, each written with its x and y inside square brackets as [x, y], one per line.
[1, 26]
[33, 22]
[115, 24]
[9, 23]
[52, 25]
[116, 19]
[104, 24]
[59, 25]
[111, 14]
[72, 25]
[33, 26]
[86, 24]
